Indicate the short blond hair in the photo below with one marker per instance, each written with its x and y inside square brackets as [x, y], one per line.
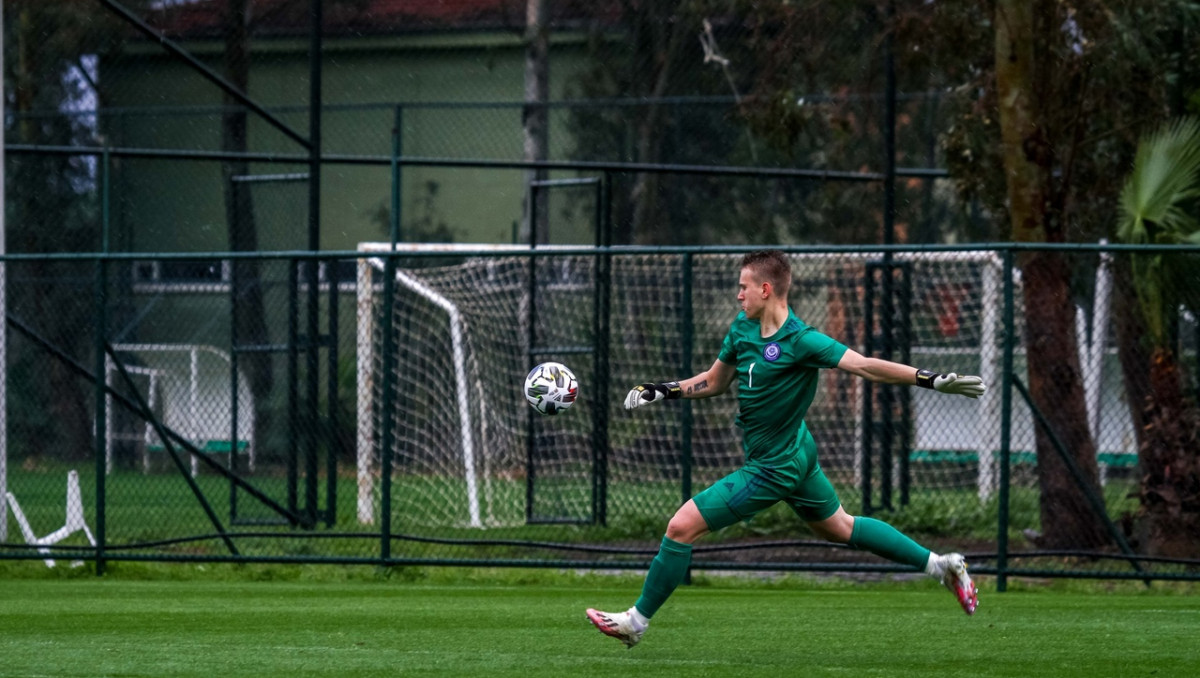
[770, 266]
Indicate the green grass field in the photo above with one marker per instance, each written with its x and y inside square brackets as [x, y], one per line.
[343, 622]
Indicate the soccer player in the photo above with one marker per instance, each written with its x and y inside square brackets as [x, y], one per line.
[776, 358]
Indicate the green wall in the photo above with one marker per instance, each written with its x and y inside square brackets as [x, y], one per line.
[178, 205]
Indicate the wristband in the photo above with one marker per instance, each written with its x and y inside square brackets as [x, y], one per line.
[925, 378]
[672, 390]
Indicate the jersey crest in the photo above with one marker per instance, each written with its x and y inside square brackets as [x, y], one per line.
[771, 352]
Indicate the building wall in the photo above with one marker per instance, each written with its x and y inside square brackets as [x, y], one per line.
[178, 205]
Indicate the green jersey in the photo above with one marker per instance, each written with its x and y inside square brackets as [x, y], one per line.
[777, 380]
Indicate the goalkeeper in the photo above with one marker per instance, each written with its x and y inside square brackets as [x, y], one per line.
[776, 359]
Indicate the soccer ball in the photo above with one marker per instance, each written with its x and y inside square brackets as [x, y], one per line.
[551, 388]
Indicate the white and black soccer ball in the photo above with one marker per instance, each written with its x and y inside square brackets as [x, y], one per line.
[551, 388]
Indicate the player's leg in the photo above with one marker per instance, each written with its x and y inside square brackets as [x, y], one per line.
[817, 504]
[738, 496]
[869, 534]
[670, 566]
[667, 572]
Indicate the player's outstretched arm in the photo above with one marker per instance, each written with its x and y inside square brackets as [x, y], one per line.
[713, 381]
[888, 372]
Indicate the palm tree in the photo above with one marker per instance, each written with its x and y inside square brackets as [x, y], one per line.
[1157, 207]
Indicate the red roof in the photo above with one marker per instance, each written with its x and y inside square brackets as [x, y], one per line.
[205, 18]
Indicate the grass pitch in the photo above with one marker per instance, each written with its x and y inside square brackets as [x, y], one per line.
[378, 626]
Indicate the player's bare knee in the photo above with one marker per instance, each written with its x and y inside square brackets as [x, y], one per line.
[681, 530]
[686, 527]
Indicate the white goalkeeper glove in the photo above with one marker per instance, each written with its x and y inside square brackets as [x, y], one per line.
[969, 386]
[643, 394]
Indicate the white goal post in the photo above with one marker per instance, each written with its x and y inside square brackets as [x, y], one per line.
[368, 291]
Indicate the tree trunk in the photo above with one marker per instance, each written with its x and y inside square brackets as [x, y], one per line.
[1166, 422]
[250, 320]
[661, 42]
[1056, 385]
[1055, 381]
[1169, 520]
[534, 114]
[56, 312]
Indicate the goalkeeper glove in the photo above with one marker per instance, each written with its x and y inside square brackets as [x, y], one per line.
[649, 393]
[971, 387]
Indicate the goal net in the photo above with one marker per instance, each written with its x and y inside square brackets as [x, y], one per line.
[462, 349]
[946, 313]
[457, 415]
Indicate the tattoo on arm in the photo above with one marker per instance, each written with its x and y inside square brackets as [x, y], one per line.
[698, 386]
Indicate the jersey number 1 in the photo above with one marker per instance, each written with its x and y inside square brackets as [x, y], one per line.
[751, 375]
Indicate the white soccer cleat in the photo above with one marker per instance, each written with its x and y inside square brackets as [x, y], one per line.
[619, 625]
[955, 578]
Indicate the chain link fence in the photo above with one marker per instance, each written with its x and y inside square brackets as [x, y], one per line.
[204, 391]
[398, 432]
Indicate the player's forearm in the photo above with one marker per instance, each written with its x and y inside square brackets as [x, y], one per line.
[702, 385]
[888, 372]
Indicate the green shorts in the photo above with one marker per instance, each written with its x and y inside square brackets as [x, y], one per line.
[754, 488]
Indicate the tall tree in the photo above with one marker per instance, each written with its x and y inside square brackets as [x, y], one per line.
[250, 321]
[666, 52]
[1035, 209]
[659, 36]
[534, 116]
[52, 208]
[1039, 124]
[1157, 207]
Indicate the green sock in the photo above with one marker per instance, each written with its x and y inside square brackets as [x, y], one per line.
[884, 540]
[667, 571]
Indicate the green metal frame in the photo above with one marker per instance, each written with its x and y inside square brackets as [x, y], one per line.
[598, 351]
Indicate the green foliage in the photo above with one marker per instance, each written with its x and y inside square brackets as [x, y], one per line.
[1165, 178]
[1157, 206]
[765, 121]
[53, 206]
[1103, 71]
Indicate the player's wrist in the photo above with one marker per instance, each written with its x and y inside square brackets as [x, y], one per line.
[926, 378]
[671, 390]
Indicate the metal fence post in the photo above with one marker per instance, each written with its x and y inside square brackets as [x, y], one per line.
[387, 427]
[293, 388]
[233, 387]
[100, 299]
[601, 346]
[687, 346]
[333, 440]
[387, 422]
[397, 147]
[101, 439]
[1005, 426]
